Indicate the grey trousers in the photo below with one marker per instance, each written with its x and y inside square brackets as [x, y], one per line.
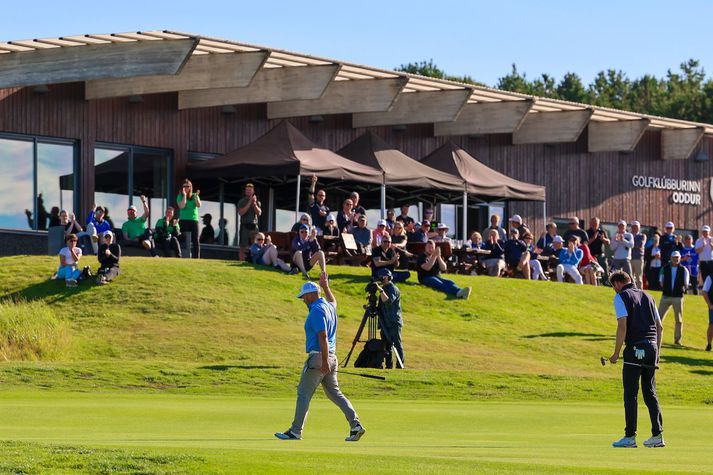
[313, 377]
[637, 268]
[622, 264]
[677, 304]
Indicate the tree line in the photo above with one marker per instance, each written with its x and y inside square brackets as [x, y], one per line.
[684, 94]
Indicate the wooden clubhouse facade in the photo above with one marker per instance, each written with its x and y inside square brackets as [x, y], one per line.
[152, 101]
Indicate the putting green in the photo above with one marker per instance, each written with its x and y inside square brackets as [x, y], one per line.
[179, 433]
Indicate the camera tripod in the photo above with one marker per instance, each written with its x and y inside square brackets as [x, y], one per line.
[373, 320]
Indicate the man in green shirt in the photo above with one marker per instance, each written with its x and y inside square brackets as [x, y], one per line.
[135, 231]
[250, 210]
[167, 233]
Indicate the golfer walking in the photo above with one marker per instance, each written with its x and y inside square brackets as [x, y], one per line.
[639, 326]
[321, 365]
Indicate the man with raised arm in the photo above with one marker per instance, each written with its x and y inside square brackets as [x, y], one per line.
[321, 365]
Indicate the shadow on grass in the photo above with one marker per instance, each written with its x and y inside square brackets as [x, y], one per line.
[48, 290]
[702, 372]
[584, 336]
[226, 367]
[686, 360]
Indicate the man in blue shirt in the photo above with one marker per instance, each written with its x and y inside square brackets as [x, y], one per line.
[321, 365]
[639, 331]
[306, 252]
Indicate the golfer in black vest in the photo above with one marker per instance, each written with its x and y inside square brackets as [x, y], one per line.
[639, 326]
[674, 280]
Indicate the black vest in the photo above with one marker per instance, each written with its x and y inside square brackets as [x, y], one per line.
[678, 288]
[641, 315]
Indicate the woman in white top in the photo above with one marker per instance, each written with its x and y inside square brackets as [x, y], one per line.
[68, 258]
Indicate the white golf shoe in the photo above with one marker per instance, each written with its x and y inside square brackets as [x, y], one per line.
[655, 441]
[356, 433]
[625, 442]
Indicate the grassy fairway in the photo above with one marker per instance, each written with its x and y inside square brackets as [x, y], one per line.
[190, 366]
[201, 434]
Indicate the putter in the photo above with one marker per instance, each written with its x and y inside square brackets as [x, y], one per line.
[603, 361]
[363, 375]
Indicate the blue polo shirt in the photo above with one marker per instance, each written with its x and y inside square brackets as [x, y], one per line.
[322, 316]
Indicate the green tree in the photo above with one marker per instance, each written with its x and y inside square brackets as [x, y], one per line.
[571, 88]
[514, 82]
[610, 89]
[424, 68]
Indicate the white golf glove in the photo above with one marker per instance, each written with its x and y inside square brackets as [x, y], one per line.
[639, 354]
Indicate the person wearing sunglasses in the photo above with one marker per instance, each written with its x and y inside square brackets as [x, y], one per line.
[386, 256]
[188, 203]
[108, 255]
[69, 257]
[304, 219]
[263, 252]
[306, 251]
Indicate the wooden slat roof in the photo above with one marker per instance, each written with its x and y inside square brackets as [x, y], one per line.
[348, 72]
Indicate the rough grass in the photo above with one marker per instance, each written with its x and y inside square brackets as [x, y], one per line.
[30, 331]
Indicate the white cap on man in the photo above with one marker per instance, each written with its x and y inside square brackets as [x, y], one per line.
[331, 218]
[635, 223]
[442, 226]
[669, 224]
[381, 222]
[706, 228]
[675, 254]
[622, 223]
[107, 233]
[516, 218]
[558, 239]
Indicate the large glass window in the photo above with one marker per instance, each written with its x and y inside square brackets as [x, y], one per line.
[38, 181]
[118, 169]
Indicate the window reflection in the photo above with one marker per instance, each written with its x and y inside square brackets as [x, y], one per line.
[54, 163]
[111, 183]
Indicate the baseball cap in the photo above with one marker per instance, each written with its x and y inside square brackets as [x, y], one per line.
[132, 207]
[706, 228]
[669, 224]
[635, 223]
[442, 226]
[304, 226]
[331, 218]
[207, 215]
[362, 218]
[383, 272]
[425, 222]
[514, 231]
[107, 233]
[675, 254]
[516, 218]
[308, 288]
[622, 222]
[381, 222]
[558, 239]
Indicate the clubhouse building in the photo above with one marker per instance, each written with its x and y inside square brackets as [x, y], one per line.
[104, 118]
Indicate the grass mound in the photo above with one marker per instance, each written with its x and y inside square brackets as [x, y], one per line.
[30, 331]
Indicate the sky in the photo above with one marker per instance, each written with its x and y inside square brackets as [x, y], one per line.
[477, 38]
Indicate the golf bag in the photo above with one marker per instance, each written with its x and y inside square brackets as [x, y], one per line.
[372, 356]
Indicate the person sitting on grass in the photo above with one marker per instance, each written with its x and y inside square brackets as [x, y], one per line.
[68, 259]
[109, 254]
[588, 266]
[263, 252]
[517, 257]
[306, 251]
[168, 230]
[430, 264]
[136, 232]
[386, 256]
[569, 260]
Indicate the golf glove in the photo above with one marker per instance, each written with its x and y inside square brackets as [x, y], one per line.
[639, 354]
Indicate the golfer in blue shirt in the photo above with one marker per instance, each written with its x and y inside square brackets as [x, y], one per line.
[321, 365]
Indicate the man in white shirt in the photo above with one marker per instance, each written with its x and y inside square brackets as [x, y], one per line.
[621, 245]
[708, 297]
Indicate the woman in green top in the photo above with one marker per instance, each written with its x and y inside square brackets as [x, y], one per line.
[188, 204]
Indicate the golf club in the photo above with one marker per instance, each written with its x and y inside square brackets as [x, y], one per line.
[603, 361]
[363, 375]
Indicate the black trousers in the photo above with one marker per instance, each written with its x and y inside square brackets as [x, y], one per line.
[394, 333]
[170, 246]
[706, 269]
[188, 225]
[110, 273]
[631, 376]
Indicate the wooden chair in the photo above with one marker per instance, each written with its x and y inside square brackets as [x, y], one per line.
[283, 242]
[350, 254]
[415, 248]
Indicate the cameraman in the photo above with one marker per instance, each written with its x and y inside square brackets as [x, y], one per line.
[391, 322]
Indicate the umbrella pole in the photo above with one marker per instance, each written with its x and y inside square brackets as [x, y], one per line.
[383, 201]
[464, 233]
[297, 200]
[544, 215]
[270, 208]
[221, 221]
